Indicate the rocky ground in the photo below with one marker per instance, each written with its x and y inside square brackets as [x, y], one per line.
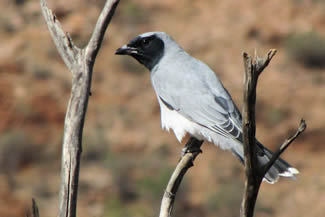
[127, 158]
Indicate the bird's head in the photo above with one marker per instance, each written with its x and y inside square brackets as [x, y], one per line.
[147, 48]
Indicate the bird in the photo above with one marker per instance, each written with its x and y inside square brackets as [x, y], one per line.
[194, 101]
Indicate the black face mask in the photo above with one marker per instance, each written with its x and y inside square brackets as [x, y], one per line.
[146, 50]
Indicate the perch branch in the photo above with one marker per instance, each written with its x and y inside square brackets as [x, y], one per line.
[80, 62]
[192, 149]
[253, 171]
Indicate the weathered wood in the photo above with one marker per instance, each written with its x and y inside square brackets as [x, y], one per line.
[192, 149]
[284, 146]
[34, 211]
[253, 171]
[80, 62]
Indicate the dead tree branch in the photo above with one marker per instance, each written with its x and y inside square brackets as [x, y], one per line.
[80, 62]
[34, 211]
[192, 149]
[284, 146]
[253, 171]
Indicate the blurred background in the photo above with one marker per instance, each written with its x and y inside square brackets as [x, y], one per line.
[127, 159]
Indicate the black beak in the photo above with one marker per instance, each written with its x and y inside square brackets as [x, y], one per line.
[126, 50]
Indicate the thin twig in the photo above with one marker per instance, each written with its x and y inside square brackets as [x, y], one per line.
[284, 146]
[100, 28]
[175, 180]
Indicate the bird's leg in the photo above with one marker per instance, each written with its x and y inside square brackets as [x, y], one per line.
[193, 146]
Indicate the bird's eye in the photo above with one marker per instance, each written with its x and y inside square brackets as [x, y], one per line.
[145, 41]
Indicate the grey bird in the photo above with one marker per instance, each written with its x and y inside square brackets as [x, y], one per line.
[193, 100]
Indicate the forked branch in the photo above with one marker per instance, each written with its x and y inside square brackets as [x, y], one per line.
[80, 62]
[253, 171]
[284, 146]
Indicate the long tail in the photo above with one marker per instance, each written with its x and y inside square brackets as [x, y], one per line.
[279, 168]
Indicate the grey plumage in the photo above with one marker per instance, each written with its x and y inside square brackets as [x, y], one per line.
[193, 100]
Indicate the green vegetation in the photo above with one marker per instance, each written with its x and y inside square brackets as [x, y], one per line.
[275, 115]
[17, 151]
[133, 13]
[41, 72]
[95, 147]
[224, 198]
[153, 186]
[139, 183]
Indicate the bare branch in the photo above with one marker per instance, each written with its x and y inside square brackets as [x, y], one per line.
[192, 150]
[255, 172]
[262, 63]
[253, 180]
[80, 62]
[100, 28]
[34, 212]
[284, 146]
[63, 41]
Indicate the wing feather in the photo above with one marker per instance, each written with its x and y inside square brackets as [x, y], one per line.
[209, 113]
[198, 95]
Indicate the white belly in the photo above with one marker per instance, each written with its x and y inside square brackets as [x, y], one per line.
[171, 119]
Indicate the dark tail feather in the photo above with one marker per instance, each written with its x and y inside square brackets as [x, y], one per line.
[279, 168]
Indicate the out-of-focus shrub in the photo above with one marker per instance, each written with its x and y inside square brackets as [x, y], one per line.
[17, 151]
[133, 13]
[307, 49]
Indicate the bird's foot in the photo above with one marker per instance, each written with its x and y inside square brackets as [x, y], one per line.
[192, 146]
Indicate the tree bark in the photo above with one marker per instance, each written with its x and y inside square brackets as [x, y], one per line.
[253, 171]
[190, 152]
[80, 62]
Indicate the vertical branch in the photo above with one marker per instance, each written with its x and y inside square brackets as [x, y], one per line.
[35, 209]
[80, 62]
[249, 129]
[253, 171]
[34, 212]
